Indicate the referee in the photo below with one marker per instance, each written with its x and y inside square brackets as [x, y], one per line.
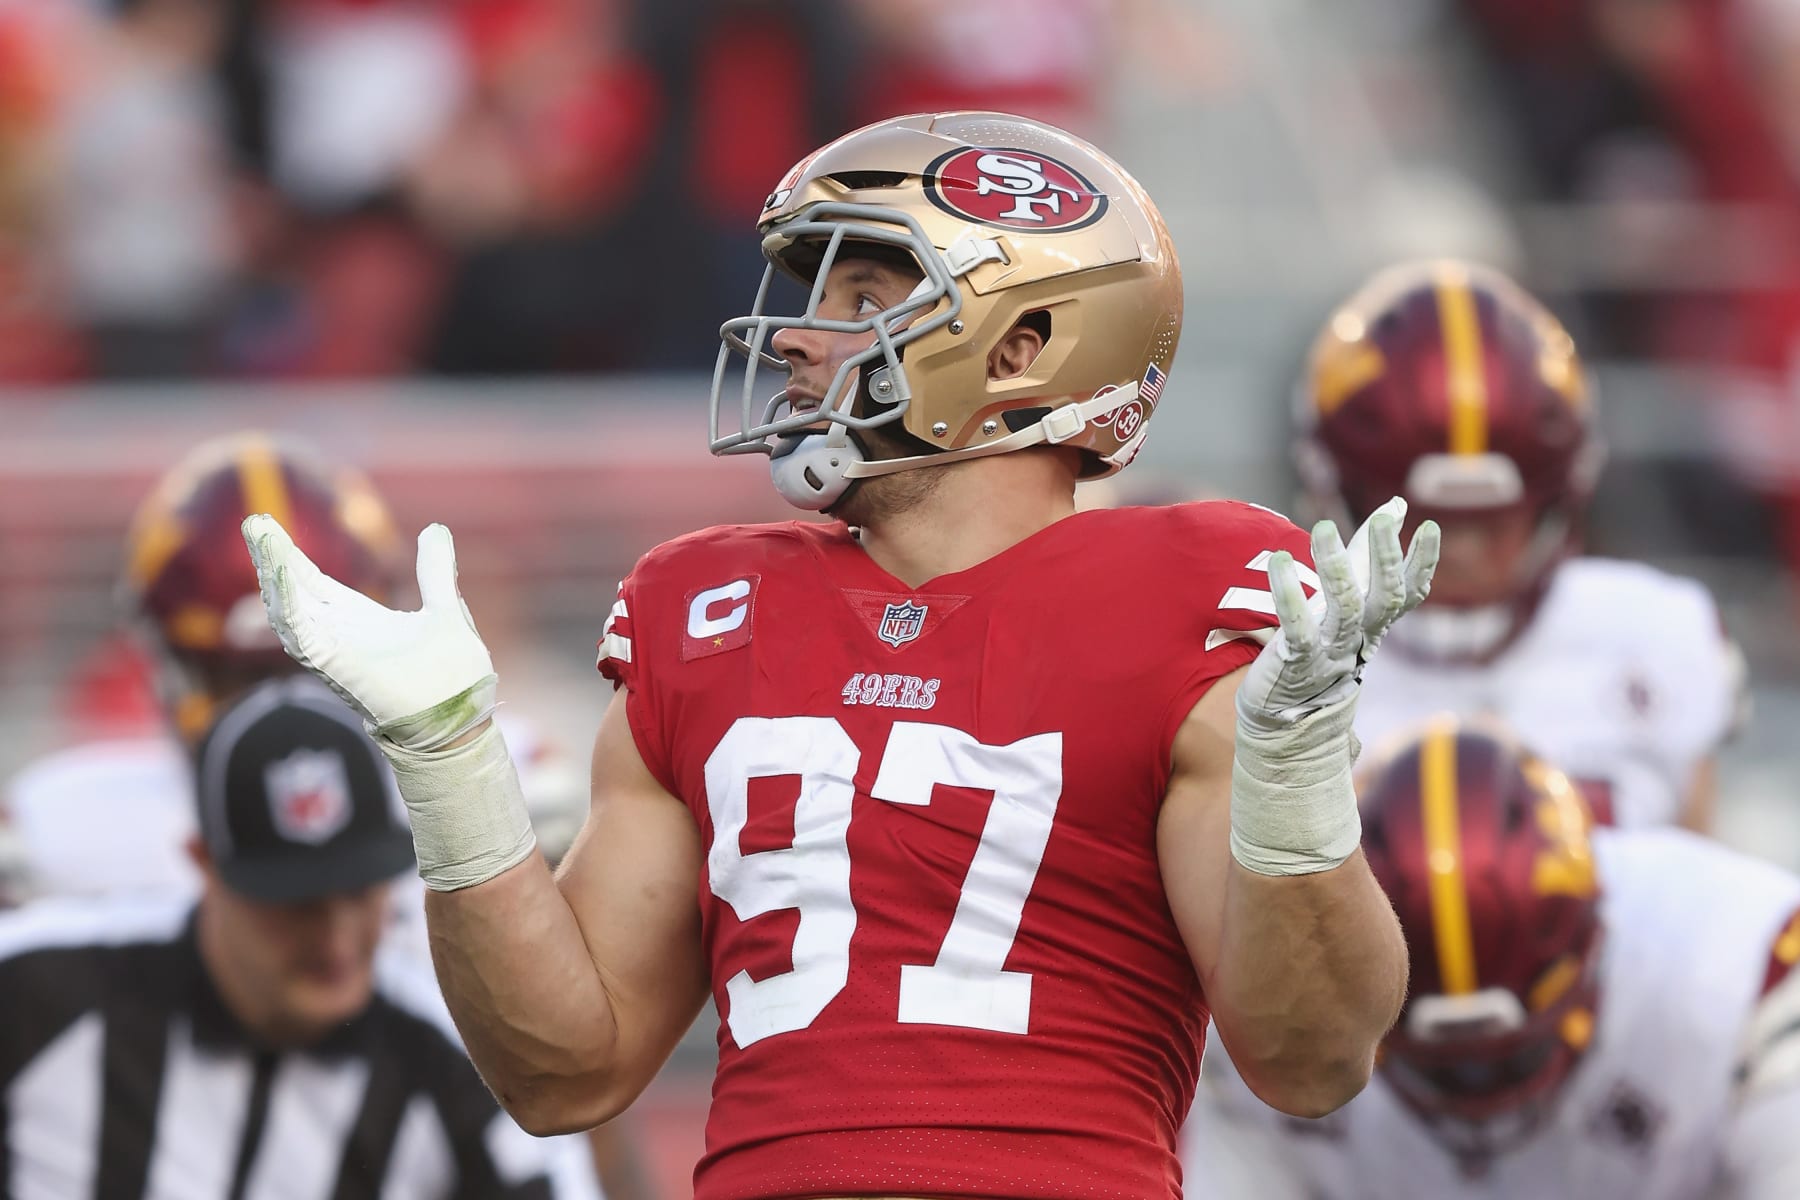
[256, 1043]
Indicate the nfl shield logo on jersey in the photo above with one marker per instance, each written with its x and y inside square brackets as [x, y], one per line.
[901, 623]
[309, 795]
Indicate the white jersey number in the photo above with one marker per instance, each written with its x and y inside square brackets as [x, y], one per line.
[967, 985]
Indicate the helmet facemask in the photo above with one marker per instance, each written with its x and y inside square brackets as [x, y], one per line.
[869, 389]
[1482, 1071]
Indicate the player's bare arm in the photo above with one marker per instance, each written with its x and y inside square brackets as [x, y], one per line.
[571, 994]
[1303, 973]
[1296, 945]
[567, 1019]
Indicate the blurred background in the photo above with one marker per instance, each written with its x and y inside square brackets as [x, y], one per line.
[480, 248]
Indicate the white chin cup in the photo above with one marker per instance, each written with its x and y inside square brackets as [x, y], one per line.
[809, 471]
[1454, 634]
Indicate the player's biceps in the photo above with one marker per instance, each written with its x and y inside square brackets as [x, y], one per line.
[1192, 851]
[632, 880]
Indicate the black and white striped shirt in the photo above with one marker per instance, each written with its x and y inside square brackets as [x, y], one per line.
[122, 1075]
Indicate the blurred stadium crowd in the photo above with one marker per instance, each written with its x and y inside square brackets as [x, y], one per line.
[351, 188]
[338, 189]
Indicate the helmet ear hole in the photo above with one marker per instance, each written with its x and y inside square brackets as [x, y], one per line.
[1016, 419]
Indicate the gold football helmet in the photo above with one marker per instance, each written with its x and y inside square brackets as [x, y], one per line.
[1005, 217]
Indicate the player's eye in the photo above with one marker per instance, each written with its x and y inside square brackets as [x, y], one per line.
[868, 306]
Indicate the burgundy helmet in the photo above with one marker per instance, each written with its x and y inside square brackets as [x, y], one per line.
[188, 581]
[1484, 851]
[1445, 383]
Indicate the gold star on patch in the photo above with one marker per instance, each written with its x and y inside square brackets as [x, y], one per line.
[718, 641]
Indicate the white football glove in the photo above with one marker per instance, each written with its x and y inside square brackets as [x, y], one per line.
[1316, 658]
[1293, 806]
[419, 680]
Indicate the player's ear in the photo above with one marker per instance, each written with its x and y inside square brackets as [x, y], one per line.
[1015, 352]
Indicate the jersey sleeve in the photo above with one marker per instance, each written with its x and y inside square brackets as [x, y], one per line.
[1221, 551]
[627, 652]
[1702, 696]
[1761, 1159]
[615, 660]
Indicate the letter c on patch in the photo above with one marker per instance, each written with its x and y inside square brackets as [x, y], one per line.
[700, 625]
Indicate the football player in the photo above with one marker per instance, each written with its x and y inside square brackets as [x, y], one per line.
[1610, 1014]
[115, 815]
[965, 809]
[111, 816]
[1445, 383]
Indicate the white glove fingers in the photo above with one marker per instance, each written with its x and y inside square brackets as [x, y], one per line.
[1387, 588]
[1298, 625]
[1421, 564]
[437, 568]
[1343, 601]
[1359, 541]
[273, 554]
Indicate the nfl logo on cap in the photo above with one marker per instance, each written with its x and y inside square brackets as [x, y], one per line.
[309, 795]
[901, 623]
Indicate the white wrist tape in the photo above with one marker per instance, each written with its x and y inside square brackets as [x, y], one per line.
[469, 821]
[1293, 806]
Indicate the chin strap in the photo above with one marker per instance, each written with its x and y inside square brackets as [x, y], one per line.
[814, 471]
[1055, 427]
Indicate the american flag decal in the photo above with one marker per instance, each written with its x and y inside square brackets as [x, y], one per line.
[1151, 388]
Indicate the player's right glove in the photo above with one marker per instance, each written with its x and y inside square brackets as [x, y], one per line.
[421, 681]
[1293, 808]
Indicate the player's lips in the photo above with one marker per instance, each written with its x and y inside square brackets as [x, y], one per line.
[805, 402]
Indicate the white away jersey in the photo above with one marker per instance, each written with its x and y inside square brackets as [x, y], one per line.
[115, 816]
[1623, 678]
[105, 817]
[1688, 928]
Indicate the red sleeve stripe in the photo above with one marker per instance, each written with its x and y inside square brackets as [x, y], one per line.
[1783, 955]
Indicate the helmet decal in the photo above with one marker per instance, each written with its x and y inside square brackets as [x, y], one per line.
[1014, 189]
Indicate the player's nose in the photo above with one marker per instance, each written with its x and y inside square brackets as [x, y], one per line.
[800, 347]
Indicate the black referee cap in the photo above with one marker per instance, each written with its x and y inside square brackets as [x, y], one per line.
[296, 802]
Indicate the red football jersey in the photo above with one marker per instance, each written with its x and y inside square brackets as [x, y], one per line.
[939, 942]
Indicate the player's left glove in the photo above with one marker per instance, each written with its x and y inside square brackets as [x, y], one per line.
[1316, 658]
[1293, 809]
[420, 681]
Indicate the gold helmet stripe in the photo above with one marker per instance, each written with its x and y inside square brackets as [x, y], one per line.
[1444, 860]
[155, 537]
[263, 482]
[1465, 365]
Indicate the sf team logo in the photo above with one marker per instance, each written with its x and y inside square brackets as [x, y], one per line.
[1014, 189]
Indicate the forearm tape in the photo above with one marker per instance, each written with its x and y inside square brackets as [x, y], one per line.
[469, 822]
[1293, 807]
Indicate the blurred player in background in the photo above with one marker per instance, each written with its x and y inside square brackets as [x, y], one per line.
[1610, 1014]
[1447, 384]
[965, 808]
[115, 816]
